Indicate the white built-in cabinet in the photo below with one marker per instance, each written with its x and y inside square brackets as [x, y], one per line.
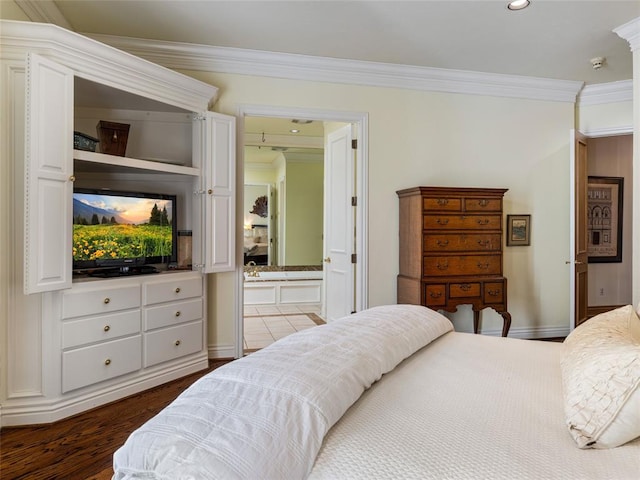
[67, 345]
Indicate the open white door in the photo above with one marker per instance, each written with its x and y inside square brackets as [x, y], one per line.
[339, 225]
[48, 176]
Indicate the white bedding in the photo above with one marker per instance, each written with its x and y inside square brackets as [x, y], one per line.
[265, 416]
[468, 407]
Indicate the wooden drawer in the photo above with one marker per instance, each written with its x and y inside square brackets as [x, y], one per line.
[88, 365]
[97, 329]
[80, 302]
[177, 288]
[173, 342]
[435, 295]
[482, 205]
[464, 290]
[451, 242]
[442, 204]
[494, 292]
[462, 222]
[463, 265]
[172, 313]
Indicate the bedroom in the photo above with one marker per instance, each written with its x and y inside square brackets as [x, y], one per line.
[415, 137]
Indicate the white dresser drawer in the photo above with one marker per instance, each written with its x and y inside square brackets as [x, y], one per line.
[173, 342]
[89, 365]
[80, 302]
[177, 288]
[97, 329]
[172, 313]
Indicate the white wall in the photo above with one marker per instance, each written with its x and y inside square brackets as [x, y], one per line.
[423, 138]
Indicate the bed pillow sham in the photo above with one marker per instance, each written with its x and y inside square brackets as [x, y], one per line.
[601, 379]
[266, 415]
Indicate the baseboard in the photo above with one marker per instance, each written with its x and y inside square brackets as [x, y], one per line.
[530, 333]
[593, 311]
[218, 352]
[43, 411]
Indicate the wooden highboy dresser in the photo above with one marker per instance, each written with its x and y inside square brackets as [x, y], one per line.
[451, 250]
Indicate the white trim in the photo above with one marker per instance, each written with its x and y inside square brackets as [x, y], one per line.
[104, 64]
[630, 32]
[44, 11]
[608, 131]
[361, 120]
[221, 352]
[611, 92]
[531, 332]
[322, 69]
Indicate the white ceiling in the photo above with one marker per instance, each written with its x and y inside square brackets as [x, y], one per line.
[551, 39]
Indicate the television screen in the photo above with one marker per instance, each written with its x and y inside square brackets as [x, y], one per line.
[122, 228]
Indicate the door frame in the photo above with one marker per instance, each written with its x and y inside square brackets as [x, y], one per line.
[591, 133]
[360, 122]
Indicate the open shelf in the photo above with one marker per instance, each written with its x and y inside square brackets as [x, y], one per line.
[135, 163]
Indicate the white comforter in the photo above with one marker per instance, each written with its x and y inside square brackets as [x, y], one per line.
[265, 416]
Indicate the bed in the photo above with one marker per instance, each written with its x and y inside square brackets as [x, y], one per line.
[256, 246]
[394, 392]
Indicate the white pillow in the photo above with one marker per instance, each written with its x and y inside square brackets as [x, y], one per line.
[601, 379]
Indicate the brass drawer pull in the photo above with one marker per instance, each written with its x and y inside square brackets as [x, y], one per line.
[106, 328]
[483, 266]
[442, 221]
[107, 361]
[177, 289]
[106, 300]
[483, 203]
[465, 287]
[483, 221]
[442, 243]
[494, 293]
[178, 313]
[484, 243]
[435, 294]
[177, 344]
[442, 266]
[443, 201]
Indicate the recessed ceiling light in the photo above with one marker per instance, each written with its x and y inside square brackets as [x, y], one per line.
[518, 4]
[294, 130]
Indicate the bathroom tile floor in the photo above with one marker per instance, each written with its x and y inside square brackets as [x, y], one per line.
[264, 324]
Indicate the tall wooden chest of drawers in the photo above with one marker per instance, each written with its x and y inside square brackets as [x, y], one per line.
[451, 250]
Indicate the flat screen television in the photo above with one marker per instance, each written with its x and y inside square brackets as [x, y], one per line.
[118, 230]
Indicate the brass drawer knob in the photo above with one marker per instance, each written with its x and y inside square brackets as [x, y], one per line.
[106, 300]
[493, 293]
[178, 313]
[107, 361]
[442, 243]
[435, 294]
[177, 289]
[443, 201]
[483, 203]
[442, 221]
[465, 287]
[177, 343]
[442, 266]
[483, 266]
[484, 243]
[483, 221]
[107, 328]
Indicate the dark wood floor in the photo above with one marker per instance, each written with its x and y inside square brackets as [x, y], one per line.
[82, 447]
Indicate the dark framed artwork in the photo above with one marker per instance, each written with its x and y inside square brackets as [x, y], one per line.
[604, 219]
[518, 230]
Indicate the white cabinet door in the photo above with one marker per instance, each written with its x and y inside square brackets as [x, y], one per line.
[219, 192]
[48, 172]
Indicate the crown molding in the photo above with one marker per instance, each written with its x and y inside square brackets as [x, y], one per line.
[99, 62]
[184, 56]
[43, 11]
[612, 92]
[630, 32]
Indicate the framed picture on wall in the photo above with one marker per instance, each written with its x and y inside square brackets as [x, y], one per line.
[604, 219]
[518, 230]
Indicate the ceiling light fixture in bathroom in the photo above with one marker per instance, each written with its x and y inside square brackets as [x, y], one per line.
[518, 4]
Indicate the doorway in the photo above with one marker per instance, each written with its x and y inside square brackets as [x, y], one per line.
[598, 284]
[273, 295]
